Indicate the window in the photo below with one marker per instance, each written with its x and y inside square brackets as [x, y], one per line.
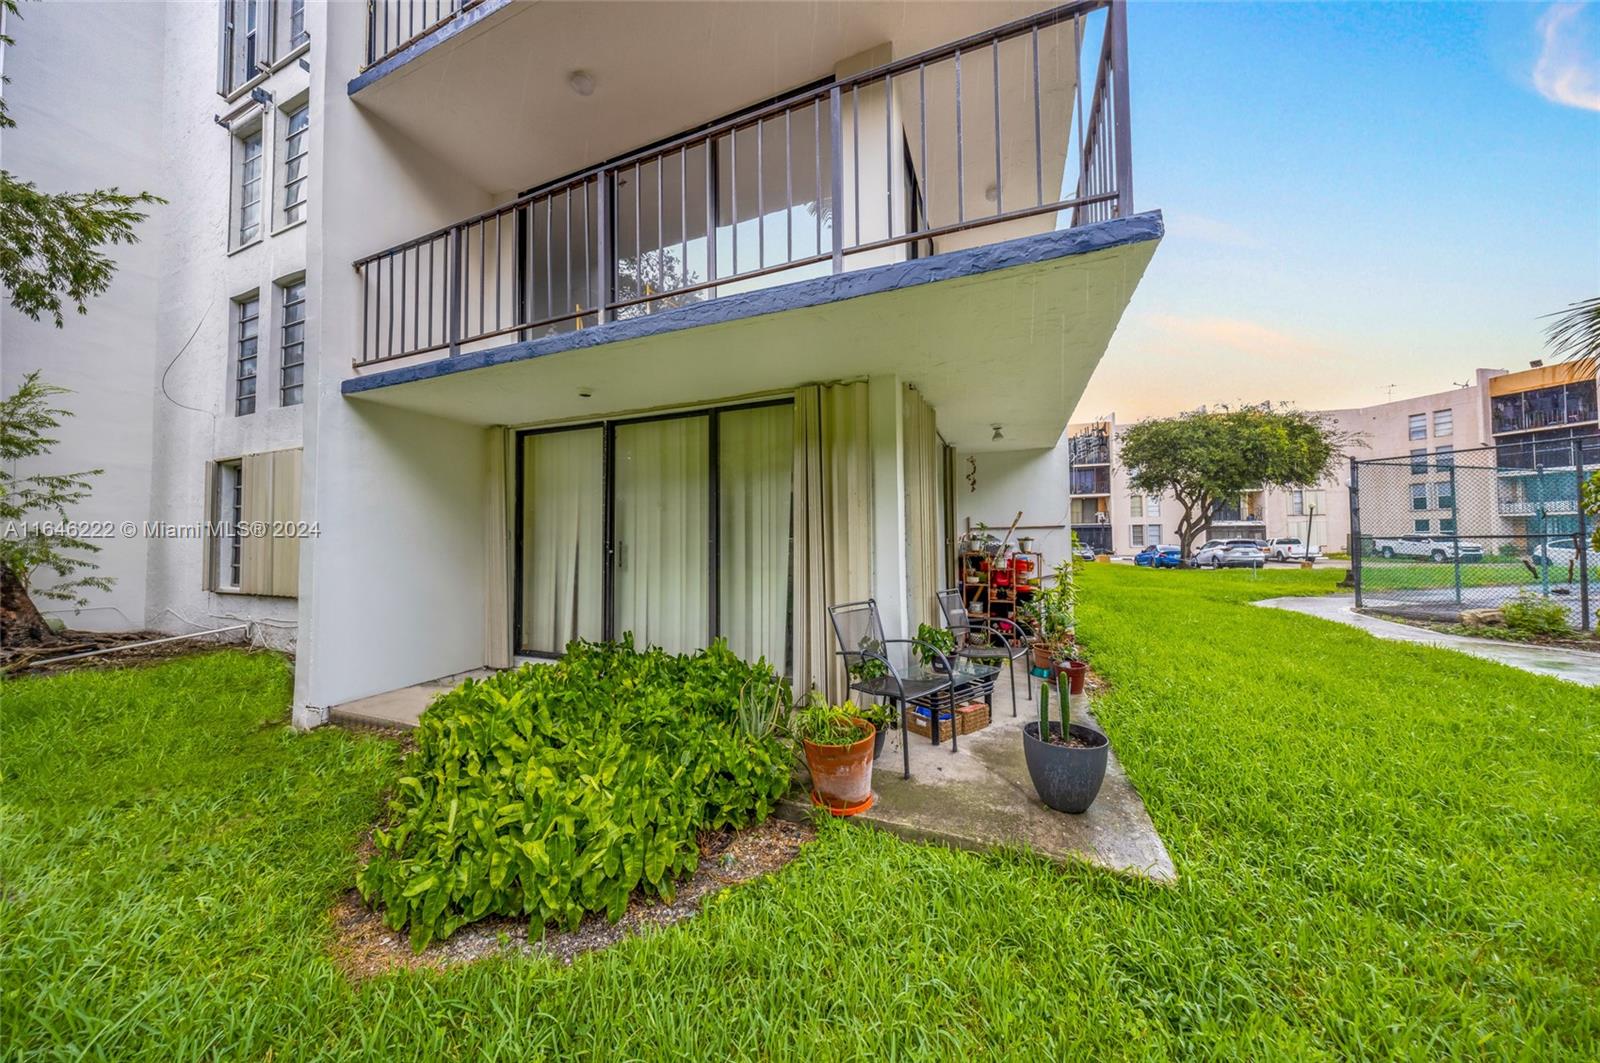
[297, 23]
[292, 345]
[1447, 526]
[1581, 402]
[1136, 535]
[296, 163]
[249, 184]
[1418, 425]
[1445, 494]
[1444, 422]
[1419, 461]
[1152, 506]
[1136, 506]
[1419, 496]
[1422, 526]
[240, 47]
[230, 508]
[255, 490]
[247, 319]
[1297, 503]
[1152, 534]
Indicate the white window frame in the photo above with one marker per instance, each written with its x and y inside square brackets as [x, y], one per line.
[1152, 534]
[1152, 506]
[1417, 426]
[294, 172]
[1136, 506]
[247, 178]
[245, 353]
[229, 559]
[291, 340]
[1136, 535]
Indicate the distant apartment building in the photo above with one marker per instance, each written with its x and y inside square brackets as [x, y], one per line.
[1523, 426]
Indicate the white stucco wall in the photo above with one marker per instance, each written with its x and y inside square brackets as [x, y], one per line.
[1032, 481]
[75, 133]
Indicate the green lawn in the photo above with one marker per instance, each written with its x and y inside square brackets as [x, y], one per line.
[1385, 851]
[1402, 574]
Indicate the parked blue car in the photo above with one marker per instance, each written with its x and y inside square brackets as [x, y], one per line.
[1159, 557]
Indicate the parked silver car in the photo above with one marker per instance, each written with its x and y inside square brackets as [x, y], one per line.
[1229, 553]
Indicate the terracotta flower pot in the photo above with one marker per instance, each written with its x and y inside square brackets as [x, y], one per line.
[1076, 672]
[841, 776]
[1041, 655]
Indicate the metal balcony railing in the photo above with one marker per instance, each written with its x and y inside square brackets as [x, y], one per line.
[394, 25]
[999, 128]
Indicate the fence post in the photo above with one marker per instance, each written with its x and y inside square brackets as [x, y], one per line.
[1355, 528]
[1583, 538]
[605, 237]
[1455, 528]
[836, 188]
[1541, 511]
[458, 268]
[1117, 25]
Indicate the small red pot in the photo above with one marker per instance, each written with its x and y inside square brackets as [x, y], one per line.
[841, 776]
[1076, 672]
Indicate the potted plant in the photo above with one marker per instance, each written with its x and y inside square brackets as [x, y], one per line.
[935, 645]
[881, 717]
[1052, 613]
[1066, 761]
[838, 747]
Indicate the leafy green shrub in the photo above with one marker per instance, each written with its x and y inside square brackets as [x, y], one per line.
[930, 638]
[558, 789]
[1529, 614]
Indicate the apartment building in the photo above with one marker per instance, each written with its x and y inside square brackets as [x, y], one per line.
[518, 325]
[1520, 428]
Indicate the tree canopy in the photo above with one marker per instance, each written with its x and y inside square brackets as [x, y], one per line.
[1208, 457]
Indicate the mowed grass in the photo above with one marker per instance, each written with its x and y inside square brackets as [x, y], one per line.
[1401, 574]
[1385, 851]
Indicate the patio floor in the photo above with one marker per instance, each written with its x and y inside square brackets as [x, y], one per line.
[977, 798]
[981, 798]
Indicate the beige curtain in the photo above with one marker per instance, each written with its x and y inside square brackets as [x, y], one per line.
[923, 498]
[755, 473]
[832, 524]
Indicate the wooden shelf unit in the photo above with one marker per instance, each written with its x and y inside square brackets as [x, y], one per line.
[993, 586]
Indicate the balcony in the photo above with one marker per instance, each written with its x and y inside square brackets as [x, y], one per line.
[1091, 481]
[1092, 446]
[1005, 152]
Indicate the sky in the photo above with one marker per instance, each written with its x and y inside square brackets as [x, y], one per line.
[1362, 201]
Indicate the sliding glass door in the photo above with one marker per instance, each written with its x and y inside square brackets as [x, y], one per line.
[661, 550]
[562, 555]
[675, 528]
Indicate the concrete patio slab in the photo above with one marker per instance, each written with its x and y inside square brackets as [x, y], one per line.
[398, 708]
[1575, 666]
[980, 798]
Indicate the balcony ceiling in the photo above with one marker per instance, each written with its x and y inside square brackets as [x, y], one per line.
[986, 341]
[494, 102]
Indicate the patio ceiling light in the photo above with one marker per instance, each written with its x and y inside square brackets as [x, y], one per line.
[581, 82]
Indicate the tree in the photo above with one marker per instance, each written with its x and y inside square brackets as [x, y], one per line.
[1575, 335]
[34, 515]
[51, 256]
[1207, 457]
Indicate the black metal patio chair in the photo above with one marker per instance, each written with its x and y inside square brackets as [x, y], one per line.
[998, 646]
[884, 668]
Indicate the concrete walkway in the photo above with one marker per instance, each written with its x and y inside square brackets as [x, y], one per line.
[1575, 666]
[981, 797]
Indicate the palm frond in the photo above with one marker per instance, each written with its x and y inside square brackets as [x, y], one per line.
[1575, 335]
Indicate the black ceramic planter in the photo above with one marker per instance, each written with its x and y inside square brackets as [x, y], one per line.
[1067, 779]
[877, 743]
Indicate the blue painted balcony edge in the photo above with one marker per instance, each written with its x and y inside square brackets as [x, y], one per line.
[458, 24]
[818, 291]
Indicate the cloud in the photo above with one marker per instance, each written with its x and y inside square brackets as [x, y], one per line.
[1563, 73]
[1235, 334]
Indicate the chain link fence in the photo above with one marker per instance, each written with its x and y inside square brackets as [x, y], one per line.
[1435, 534]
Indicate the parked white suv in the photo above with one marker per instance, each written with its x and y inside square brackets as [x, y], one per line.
[1229, 553]
[1288, 549]
[1434, 548]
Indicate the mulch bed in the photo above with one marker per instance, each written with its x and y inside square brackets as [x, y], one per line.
[365, 947]
[38, 658]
